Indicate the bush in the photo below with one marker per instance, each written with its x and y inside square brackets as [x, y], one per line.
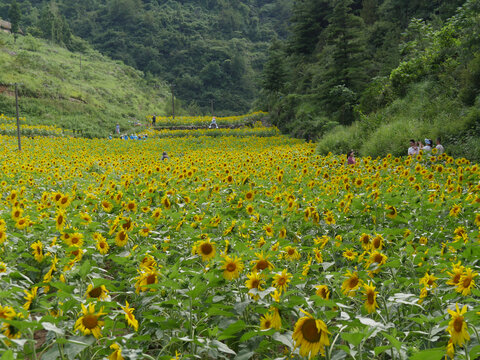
[340, 140]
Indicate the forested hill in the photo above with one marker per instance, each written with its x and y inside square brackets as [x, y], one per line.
[208, 49]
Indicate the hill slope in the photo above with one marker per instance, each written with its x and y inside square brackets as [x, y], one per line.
[86, 92]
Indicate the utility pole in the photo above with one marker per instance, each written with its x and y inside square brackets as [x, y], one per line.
[173, 102]
[18, 119]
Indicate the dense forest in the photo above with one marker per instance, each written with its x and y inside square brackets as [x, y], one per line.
[210, 52]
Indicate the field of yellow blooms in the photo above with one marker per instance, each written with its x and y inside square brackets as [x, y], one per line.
[234, 248]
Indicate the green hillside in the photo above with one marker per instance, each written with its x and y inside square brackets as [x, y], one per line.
[210, 50]
[79, 91]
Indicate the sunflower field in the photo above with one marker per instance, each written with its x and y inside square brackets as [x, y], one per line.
[236, 247]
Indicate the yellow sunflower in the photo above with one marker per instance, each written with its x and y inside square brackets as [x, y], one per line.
[262, 263]
[456, 274]
[205, 249]
[291, 253]
[121, 239]
[37, 252]
[255, 281]
[266, 321]
[323, 291]
[232, 266]
[351, 283]
[29, 297]
[145, 279]
[90, 322]
[457, 327]
[129, 316]
[99, 292]
[391, 211]
[370, 298]
[281, 280]
[311, 335]
[350, 254]
[466, 282]
[102, 246]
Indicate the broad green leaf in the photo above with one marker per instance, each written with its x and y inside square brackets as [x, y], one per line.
[380, 349]
[430, 354]
[51, 327]
[223, 348]
[232, 329]
[353, 338]
[393, 341]
[8, 355]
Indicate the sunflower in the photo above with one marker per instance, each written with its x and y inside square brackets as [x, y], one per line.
[6, 312]
[90, 322]
[37, 248]
[3, 235]
[17, 213]
[145, 279]
[22, 223]
[466, 282]
[318, 255]
[166, 202]
[205, 249]
[117, 352]
[148, 262]
[281, 280]
[456, 274]
[249, 196]
[75, 239]
[276, 319]
[11, 331]
[311, 335]
[377, 259]
[255, 281]
[350, 254]
[262, 263]
[351, 283]
[99, 292]
[129, 316]
[121, 238]
[145, 230]
[232, 266]
[102, 245]
[391, 211]
[30, 296]
[323, 291]
[3, 267]
[266, 321]
[377, 242]
[64, 201]
[107, 206]
[291, 253]
[455, 210]
[268, 230]
[457, 327]
[131, 206]
[428, 281]
[365, 241]
[370, 298]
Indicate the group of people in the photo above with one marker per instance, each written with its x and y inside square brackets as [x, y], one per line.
[416, 146]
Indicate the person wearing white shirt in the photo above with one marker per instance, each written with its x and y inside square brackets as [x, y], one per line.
[412, 150]
[439, 147]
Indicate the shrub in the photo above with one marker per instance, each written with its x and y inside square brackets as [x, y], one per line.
[340, 140]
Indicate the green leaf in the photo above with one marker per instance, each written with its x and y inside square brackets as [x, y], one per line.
[8, 355]
[232, 329]
[77, 344]
[244, 354]
[85, 269]
[475, 352]
[223, 348]
[380, 349]
[285, 339]
[51, 327]
[393, 341]
[430, 354]
[353, 338]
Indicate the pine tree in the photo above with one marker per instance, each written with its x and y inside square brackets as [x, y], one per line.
[14, 15]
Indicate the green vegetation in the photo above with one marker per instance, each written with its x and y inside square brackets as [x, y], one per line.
[210, 50]
[78, 91]
[434, 92]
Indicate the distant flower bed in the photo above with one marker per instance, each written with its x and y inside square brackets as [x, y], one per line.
[165, 121]
[242, 132]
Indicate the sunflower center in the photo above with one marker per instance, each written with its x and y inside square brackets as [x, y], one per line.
[75, 240]
[90, 321]
[353, 282]
[310, 331]
[430, 282]
[95, 292]
[102, 245]
[456, 278]
[64, 200]
[466, 282]
[151, 279]
[262, 264]
[206, 248]
[231, 267]
[378, 258]
[376, 243]
[281, 281]
[371, 297]
[458, 324]
[122, 236]
[255, 283]
[291, 251]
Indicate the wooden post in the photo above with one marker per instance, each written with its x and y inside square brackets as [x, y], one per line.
[18, 119]
[173, 103]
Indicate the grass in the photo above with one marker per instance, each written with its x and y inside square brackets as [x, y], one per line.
[78, 91]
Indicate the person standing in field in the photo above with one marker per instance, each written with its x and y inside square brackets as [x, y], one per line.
[213, 124]
[439, 147]
[351, 158]
[154, 120]
[413, 149]
[117, 129]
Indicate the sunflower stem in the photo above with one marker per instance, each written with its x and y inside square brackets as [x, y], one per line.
[476, 333]
[466, 352]
[34, 350]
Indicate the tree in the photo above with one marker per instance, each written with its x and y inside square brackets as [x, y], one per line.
[14, 15]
